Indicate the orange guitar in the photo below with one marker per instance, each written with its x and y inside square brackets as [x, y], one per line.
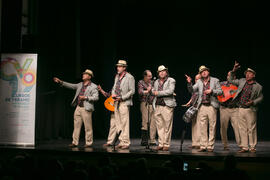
[109, 104]
[228, 93]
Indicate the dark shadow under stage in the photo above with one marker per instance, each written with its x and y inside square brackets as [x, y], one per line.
[256, 164]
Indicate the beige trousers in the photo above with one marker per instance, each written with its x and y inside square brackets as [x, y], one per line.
[164, 120]
[207, 115]
[226, 115]
[120, 122]
[195, 131]
[113, 129]
[248, 127]
[85, 117]
[153, 128]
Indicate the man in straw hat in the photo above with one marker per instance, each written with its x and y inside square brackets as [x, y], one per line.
[122, 91]
[164, 104]
[208, 88]
[85, 96]
[248, 96]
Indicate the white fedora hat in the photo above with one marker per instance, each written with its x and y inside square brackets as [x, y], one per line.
[203, 68]
[250, 70]
[121, 63]
[89, 72]
[161, 68]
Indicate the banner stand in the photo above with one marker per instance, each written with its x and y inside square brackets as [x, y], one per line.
[18, 74]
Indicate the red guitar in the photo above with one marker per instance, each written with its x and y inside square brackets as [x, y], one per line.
[228, 93]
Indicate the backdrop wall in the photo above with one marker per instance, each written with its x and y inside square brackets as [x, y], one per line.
[72, 36]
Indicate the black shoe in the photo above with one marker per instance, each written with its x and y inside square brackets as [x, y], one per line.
[143, 143]
[202, 150]
[72, 145]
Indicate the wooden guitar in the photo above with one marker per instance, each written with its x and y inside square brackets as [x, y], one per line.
[228, 93]
[109, 104]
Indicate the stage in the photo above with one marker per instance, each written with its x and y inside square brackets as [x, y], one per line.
[255, 164]
[263, 149]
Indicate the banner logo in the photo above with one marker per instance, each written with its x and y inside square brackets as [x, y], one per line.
[23, 73]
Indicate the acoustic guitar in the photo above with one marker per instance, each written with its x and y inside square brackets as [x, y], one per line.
[109, 104]
[228, 93]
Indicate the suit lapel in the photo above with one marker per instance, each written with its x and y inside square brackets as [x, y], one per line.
[240, 88]
[123, 81]
[254, 91]
[88, 89]
[211, 83]
[200, 87]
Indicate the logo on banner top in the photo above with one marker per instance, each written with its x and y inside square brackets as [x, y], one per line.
[27, 76]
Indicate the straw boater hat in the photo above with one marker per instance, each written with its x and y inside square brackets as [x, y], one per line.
[122, 63]
[250, 70]
[161, 68]
[203, 68]
[89, 72]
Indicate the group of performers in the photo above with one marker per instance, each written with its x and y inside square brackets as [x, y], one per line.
[157, 106]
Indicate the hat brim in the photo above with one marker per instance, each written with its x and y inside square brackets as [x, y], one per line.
[249, 71]
[166, 69]
[88, 74]
[124, 65]
[205, 69]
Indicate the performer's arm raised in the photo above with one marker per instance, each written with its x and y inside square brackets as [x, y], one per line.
[65, 84]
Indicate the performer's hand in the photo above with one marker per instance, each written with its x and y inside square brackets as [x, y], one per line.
[188, 78]
[149, 89]
[82, 98]
[249, 103]
[114, 95]
[208, 91]
[102, 91]
[57, 80]
[155, 93]
[118, 99]
[236, 66]
[99, 88]
[186, 105]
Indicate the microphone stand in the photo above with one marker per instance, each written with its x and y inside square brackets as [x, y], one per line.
[183, 137]
[147, 147]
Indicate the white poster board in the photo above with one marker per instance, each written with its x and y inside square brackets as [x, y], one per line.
[18, 99]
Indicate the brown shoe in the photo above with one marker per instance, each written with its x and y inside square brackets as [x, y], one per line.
[165, 149]
[87, 146]
[118, 146]
[253, 150]
[210, 150]
[72, 145]
[194, 147]
[106, 145]
[202, 150]
[158, 148]
[243, 151]
[124, 147]
[226, 149]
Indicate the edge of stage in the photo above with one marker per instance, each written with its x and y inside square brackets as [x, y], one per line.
[256, 164]
[61, 146]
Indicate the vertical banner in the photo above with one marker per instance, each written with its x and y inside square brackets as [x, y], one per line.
[18, 99]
